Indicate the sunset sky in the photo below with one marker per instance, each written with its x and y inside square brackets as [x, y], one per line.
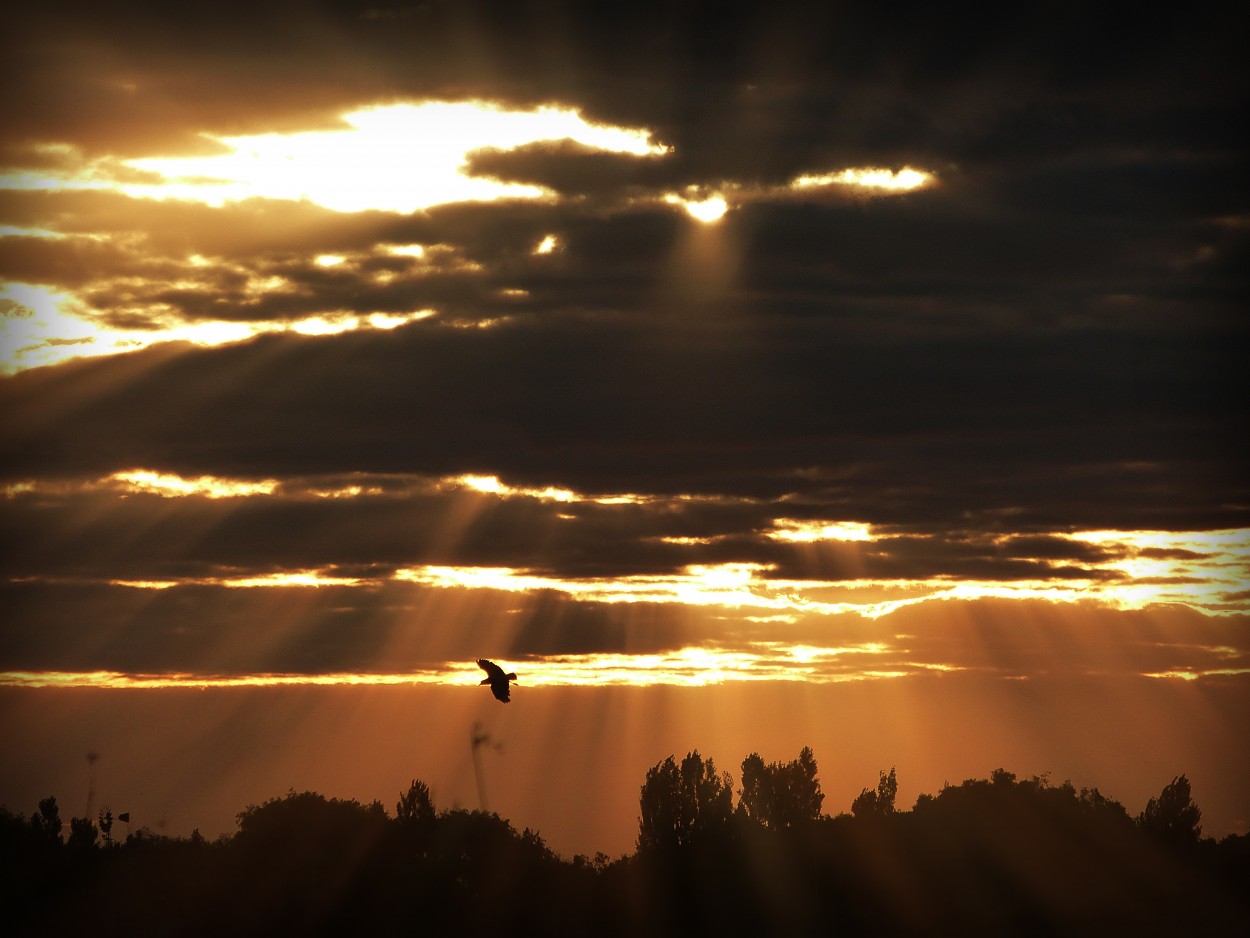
[744, 376]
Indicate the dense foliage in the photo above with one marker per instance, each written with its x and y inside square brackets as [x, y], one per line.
[991, 856]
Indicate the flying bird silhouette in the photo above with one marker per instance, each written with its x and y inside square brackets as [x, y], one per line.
[497, 680]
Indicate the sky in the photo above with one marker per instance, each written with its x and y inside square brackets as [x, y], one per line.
[744, 376]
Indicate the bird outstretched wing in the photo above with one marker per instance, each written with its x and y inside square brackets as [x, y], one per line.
[493, 671]
[497, 680]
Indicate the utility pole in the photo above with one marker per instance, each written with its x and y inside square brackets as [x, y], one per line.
[91, 759]
[476, 739]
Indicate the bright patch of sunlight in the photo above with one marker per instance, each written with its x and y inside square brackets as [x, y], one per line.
[1231, 541]
[547, 245]
[503, 579]
[118, 680]
[691, 666]
[1180, 674]
[407, 250]
[387, 321]
[743, 586]
[725, 576]
[785, 529]
[328, 324]
[490, 485]
[168, 485]
[698, 666]
[706, 210]
[885, 180]
[869, 178]
[1205, 569]
[278, 580]
[396, 158]
[171, 485]
[39, 326]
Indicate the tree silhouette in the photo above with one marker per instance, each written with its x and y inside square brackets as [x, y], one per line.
[415, 806]
[758, 793]
[657, 805]
[996, 855]
[1173, 817]
[679, 805]
[781, 795]
[877, 802]
[47, 822]
[415, 815]
[82, 833]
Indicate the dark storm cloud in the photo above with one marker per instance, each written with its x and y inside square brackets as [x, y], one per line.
[388, 628]
[1089, 169]
[571, 168]
[1093, 429]
[929, 262]
[742, 90]
[473, 254]
[66, 262]
[215, 630]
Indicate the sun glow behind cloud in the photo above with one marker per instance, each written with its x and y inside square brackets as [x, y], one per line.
[302, 579]
[171, 486]
[690, 666]
[1206, 571]
[747, 586]
[807, 531]
[708, 205]
[872, 178]
[395, 158]
[490, 485]
[40, 326]
[707, 210]
[1133, 570]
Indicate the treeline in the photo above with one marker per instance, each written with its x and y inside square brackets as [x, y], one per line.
[1000, 855]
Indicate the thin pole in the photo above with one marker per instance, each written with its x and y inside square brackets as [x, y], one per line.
[91, 757]
[476, 738]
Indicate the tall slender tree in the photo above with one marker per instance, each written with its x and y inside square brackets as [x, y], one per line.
[681, 804]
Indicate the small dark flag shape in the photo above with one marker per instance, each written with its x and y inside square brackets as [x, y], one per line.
[496, 678]
[124, 817]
